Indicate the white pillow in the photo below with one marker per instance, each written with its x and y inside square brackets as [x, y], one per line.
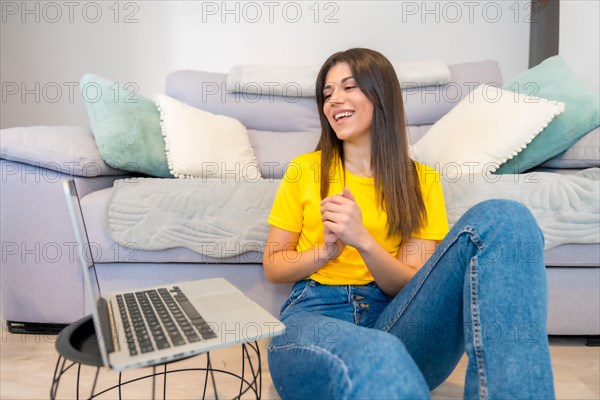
[200, 144]
[483, 131]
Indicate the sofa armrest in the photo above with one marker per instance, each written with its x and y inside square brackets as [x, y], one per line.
[38, 244]
[70, 150]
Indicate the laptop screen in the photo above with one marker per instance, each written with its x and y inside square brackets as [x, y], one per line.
[85, 254]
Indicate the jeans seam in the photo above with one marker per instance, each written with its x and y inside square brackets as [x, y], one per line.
[476, 327]
[474, 304]
[301, 296]
[475, 314]
[469, 230]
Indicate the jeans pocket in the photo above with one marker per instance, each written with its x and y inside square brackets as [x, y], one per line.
[299, 291]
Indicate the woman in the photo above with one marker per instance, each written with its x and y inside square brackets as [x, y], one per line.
[382, 307]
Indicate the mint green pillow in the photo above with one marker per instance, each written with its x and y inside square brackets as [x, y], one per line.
[554, 80]
[126, 127]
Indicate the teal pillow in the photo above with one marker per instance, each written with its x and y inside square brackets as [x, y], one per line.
[554, 80]
[126, 127]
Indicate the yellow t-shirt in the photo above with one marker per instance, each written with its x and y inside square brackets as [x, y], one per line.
[296, 209]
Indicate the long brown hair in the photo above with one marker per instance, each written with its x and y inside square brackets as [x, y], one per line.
[395, 175]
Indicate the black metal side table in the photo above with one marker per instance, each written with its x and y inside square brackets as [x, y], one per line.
[77, 347]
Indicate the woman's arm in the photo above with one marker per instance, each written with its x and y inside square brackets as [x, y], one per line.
[392, 273]
[283, 264]
[342, 216]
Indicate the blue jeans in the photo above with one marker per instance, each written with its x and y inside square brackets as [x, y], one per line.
[483, 291]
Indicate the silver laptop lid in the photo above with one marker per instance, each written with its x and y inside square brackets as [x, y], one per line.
[86, 260]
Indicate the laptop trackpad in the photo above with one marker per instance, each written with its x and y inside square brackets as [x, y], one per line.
[224, 302]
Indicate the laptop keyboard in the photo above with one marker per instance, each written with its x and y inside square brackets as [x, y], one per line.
[158, 319]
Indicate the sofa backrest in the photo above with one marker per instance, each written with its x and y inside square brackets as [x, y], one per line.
[423, 105]
[281, 128]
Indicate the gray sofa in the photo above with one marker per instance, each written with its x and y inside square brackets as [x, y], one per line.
[41, 285]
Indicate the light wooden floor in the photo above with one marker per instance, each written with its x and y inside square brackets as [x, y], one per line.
[27, 363]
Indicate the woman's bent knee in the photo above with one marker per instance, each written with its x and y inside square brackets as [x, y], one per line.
[369, 364]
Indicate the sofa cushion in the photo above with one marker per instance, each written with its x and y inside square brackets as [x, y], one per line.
[573, 255]
[426, 105]
[299, 80]
[585, 153]
[126, 126]
[423, 105]
[106, 250]
[274, 159]
[483, 131]
[416, 132]
[207, 91]
[554, 80]
[67, 149]
[202, 144]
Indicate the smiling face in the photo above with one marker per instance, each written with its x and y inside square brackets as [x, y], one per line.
[348, 110]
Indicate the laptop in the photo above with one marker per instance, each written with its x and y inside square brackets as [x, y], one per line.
[153, 325]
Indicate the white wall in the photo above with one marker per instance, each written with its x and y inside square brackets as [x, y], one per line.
[47, 47]
[579, 42]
